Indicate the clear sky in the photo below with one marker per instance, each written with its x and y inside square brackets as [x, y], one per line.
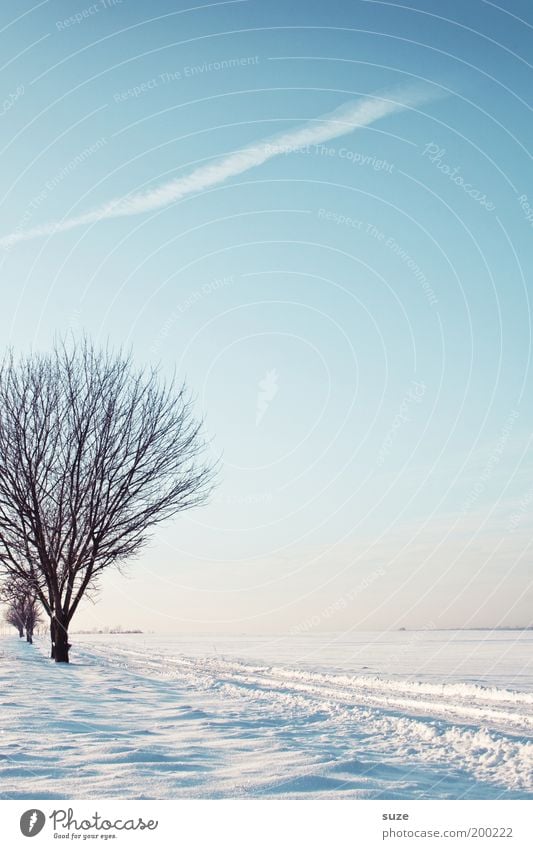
[353, 315]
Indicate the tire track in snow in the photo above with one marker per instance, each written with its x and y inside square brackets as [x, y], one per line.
[463, 727]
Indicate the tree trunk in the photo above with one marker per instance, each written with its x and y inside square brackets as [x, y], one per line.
[52, 637]
[29, 636]
[21, 632]
[62, 644]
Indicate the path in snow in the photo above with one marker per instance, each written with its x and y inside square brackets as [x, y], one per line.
[124, 725]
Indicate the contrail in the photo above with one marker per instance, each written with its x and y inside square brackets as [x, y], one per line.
[343, 120]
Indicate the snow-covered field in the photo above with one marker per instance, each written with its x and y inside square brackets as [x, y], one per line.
[399, 715]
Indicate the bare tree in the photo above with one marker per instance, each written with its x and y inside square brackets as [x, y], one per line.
[32, 616]
[93, 454]
[22, 606]
[12, 594]
[14, 617]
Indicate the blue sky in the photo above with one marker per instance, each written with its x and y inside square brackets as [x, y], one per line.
[353, 317]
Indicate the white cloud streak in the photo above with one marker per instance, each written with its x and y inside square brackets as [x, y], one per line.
[343, 120]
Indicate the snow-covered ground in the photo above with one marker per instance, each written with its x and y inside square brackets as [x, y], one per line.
[399, 715]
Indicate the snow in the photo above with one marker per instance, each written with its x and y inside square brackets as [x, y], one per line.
[389, 716]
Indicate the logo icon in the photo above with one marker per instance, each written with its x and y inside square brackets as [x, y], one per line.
[267, 391]
[32, 822]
